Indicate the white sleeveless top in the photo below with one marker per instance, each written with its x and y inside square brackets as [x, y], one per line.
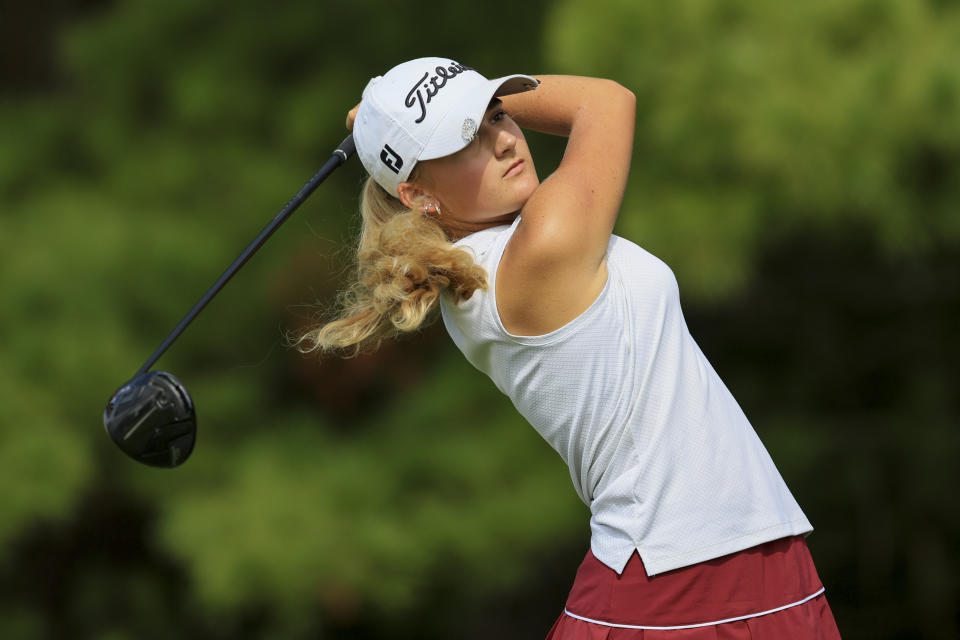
[656, 445]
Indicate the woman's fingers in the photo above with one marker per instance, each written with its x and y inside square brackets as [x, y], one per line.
[351, 116]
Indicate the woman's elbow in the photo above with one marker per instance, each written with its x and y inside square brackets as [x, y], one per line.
[620, 92]
[623, 97]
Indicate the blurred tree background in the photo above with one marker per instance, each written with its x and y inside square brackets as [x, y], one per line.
[797, 165]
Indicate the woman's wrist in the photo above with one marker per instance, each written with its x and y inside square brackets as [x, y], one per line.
[559, 101]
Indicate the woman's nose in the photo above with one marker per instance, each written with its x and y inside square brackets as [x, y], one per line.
[504, 143]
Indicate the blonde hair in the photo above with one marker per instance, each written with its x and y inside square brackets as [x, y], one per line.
[404, 261]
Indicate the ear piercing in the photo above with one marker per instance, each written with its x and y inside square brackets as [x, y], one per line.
[435, 205]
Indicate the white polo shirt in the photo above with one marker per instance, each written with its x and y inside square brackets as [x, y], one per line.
[656, 445]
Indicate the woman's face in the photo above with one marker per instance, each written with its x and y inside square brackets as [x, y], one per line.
[487, 182]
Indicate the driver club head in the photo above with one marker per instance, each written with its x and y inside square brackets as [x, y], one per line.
[152, 419]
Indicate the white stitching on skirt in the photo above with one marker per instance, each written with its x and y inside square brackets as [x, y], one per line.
[692, 626]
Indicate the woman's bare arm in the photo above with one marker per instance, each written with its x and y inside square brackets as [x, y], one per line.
[554, 265]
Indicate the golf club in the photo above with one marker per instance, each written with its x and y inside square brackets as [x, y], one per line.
[152, 417]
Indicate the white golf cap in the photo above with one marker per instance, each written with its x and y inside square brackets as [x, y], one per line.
[420, 110]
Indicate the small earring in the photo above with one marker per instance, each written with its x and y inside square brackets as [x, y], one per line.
[436, 205]
[427, 205]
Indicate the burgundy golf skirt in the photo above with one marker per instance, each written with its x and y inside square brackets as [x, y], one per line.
[768, 591]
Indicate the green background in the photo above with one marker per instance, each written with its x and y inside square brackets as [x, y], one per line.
[797, 165]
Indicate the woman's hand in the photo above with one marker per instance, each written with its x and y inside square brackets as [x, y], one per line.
[351, 116]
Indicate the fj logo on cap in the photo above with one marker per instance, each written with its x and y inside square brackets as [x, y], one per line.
[393, 161]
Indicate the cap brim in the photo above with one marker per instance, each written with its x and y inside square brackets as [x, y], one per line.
[449, 136]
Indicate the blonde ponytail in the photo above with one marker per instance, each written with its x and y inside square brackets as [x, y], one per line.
[404, 262]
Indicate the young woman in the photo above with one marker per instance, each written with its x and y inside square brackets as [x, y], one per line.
[693, 532]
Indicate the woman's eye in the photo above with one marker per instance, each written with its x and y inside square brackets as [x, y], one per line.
[498, 116]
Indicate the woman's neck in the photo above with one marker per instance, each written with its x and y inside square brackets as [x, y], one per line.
[457, 229]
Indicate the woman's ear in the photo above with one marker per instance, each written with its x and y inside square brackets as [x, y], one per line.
[410, 193]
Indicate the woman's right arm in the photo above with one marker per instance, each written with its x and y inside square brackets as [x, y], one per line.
[555, 264]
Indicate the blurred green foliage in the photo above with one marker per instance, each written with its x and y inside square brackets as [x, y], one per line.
[756, 119]
[797, 166]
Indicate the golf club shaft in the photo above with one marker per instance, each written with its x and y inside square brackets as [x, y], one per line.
[339, 156]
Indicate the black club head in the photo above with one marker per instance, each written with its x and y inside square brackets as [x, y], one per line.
[152, 419]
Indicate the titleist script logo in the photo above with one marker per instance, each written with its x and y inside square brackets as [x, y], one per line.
[432, 87]
[393, 161]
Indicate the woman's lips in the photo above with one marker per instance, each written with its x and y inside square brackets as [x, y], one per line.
[514, 169]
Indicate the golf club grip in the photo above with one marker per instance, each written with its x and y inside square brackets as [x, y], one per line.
[346, 148]
[340, 155]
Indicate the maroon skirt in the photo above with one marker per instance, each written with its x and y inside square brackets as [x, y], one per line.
[768, 591]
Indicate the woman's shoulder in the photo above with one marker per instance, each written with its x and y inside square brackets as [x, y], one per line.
[626, 250]
[640, 271]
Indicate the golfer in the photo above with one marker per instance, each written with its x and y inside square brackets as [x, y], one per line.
[693, 532]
